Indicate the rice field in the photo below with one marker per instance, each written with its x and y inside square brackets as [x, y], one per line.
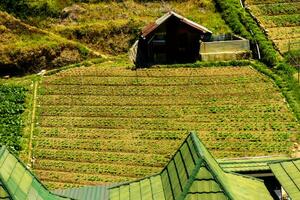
[101, 125]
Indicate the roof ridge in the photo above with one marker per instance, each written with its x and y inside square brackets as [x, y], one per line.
[198, 144]
[152, 26]
[191, 180]
[173, 156]
[193, 161]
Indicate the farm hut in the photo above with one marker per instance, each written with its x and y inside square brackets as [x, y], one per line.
[170, 39]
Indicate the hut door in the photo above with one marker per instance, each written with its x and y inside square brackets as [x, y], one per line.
[183, 47]
[158, 48]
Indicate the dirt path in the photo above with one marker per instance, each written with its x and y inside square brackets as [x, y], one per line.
[35, 87]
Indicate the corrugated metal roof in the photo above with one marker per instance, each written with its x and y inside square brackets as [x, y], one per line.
[288, 174]
[249, 164]
[85, 193]
[18, 183]
[152, 26]
[192, 173]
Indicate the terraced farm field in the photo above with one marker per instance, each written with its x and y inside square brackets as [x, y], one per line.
[102, 125]
[281, 19]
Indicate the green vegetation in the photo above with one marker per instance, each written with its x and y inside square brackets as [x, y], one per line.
[103, 122]
[113, 29]
[276, 8]
[282, 72]
[108, 124]
[280, 19]
[12, 100]
[243, 24]
[27, 8]
[55, 33]
[24, 48]
[283, 77]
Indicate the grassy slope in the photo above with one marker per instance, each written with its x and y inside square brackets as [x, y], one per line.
[125, 124]
[112, 28]
[24, 48]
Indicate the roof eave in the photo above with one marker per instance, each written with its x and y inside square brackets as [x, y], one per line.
[151, 27]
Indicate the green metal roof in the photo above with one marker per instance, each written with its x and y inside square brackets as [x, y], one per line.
[18, 183]
[85, 193]
[288, 174]
[192, 173]
[249, 164]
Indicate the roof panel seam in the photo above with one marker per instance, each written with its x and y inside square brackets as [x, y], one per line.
[184, 165]
[179, 180]
[171, 185]
[289, 176]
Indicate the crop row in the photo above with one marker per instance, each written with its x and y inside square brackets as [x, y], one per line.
[280, 33]
[157, 72]
[172, 110]
[166, 124]
[95, 133]
[61, 185]
[12, 100]
[274, 147]
[283, 44]
[96, 168]
[281, 20]
[79, 178]
[203, 114]
[125, 134]
[209, 99]
[189, 118]
[127, 81]
[150, 160]
[192, 90]
[276, 9]
[247, 136]
[162, 147]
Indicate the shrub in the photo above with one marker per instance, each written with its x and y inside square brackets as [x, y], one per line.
[242, 23]
[12, 100]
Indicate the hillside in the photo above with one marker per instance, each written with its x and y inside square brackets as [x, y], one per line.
[104, 124]
[24, 48]
[116, 27]
[113, 27]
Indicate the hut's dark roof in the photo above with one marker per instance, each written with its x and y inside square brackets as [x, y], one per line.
[152, 26]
